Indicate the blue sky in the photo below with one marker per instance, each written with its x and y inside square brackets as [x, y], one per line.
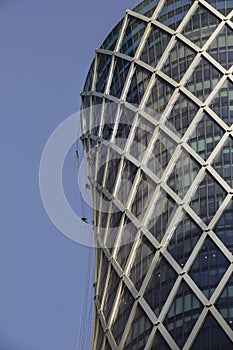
[46, 49]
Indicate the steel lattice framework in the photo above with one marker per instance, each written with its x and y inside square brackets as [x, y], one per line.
[166, 68]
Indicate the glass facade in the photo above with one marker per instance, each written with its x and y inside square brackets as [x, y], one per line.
[157, 119]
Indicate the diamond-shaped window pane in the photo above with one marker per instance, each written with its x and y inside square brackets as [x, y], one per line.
[183, 174]
[100, 214]
[142, 261]
[138, 85]
[160, 285]
[146, 7]
[184, 239]
[183, 314]
[124, 308]
[159, 97]
[111, 40]
[222, 104]
[120, 73]
[162, 152]
[178, 61]
[203, 80]
[174, 12]
[113, 284]
[209, 267]
[207, 198]
[109, 114]
[223, 6]
[161, 215]
[139, 331]
[127, 238]
[133, 35]
[155, 46]
[223, 163]
[142, 137]
[206, 136]
[103, 152]
[127, 117]
[201, 25]
[96, 104]
[112, 170]
[104, 216]
[143, 195]
[103, 66]
[224, 227]
[113, 223]
[222, 47]
[181, 115]
[224, 303]
[127, 180]
[212, 336]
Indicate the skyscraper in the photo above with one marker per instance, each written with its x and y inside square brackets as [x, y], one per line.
[158, 134]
